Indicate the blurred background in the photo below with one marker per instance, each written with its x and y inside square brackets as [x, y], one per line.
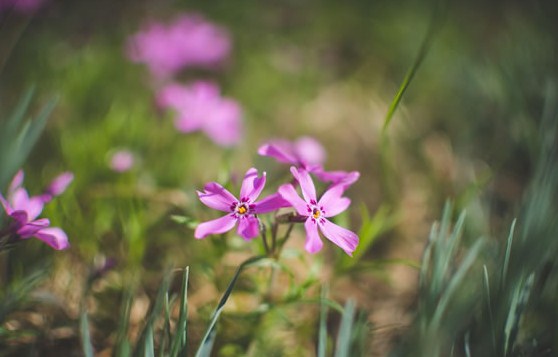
[467, 129]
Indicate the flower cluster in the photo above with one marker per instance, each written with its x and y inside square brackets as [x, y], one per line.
[189, 41]
[306, 156]
[24, 210]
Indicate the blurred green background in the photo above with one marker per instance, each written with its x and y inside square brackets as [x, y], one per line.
[467, 129]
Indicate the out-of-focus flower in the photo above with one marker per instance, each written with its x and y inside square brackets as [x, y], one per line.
[190, 40]
[24, 211]
[317, 211]
[122, 160]
[307, 153]
[23, 6]
[304, 152]
[242, 211]
[57, 186]
[200, 106]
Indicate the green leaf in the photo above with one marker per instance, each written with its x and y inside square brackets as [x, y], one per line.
[86, 344]
[343, 345]
[206, 344]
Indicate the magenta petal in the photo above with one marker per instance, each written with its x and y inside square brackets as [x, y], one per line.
[216, 226]
[6, 205]
[21, 202]
[217, 197]
[313, 241]
[60, 183]
[17, 181]
[53, 236]
[248, 227]
[271, 203]
[223, 124]
[252, 185]
[280, 150]
[332, 202]
[309, 151]
[306, 184]
[344, 238]
[343, 178]
[33, 227]
[20, 217]
[289, 194]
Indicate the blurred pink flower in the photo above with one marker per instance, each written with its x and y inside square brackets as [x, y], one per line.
[304, 152]
[317, 211]
[122, 160]
[24, 211]
[190, 40]
[307, 153]
[200, 106]
[243, 210]
[57, 186]
[23, 6]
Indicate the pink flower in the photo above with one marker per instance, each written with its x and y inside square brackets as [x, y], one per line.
[122, 161]
[242, 211]
[24, 211]
[307, 153]
[23, 6]
[200, 107]
[317, 211]
[190, 40]
[57, 186]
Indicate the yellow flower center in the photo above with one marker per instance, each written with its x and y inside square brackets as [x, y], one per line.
[316, 213]
[242, 209]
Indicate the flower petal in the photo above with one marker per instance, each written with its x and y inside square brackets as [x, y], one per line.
[53, 236]
[289, 194]
[332, 202]
[248, 227]
[217, 197]
[7, 207]
[342, 178]
[280, 150]
[16, 183]
[31, 228]
[306, 184]
[271, 203]
[344, 238]
[309, 151]
[313, 241]
[252, 185]
[216, 226]
[22, 202]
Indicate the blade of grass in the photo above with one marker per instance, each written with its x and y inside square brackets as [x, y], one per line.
[208, 339]
[343, 344]
[322, 332]
[86, 344]
[433, 27]
[508, 252]
[180, 335]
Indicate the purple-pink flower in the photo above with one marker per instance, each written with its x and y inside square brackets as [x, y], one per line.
[24, 211]
[200, 107]
[190, 40]
[317, 212]
[307, 153]
[23, 6]
[241, 210]
[304, 152]
[122, 161]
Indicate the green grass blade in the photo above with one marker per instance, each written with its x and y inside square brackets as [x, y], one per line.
[508, 252]
[86, 344]
[433, 27]
[489, 305]
[343, 345]
[180, 336]
[322, 332]
[149, 345]
[206, 344]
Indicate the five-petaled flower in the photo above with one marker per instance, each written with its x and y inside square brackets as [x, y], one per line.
[308, 154]
[24, 211]
[242, 211]
[317, 212]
